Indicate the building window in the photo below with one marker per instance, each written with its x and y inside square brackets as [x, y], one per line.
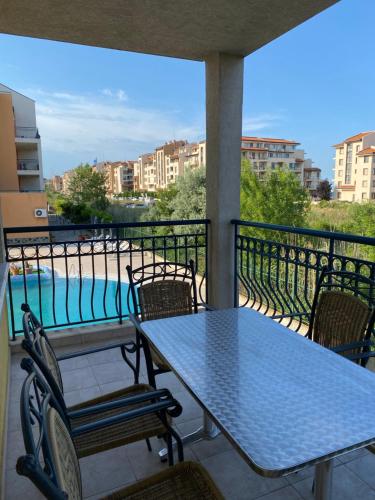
[353, 197]
[365, 159]
[339, 173]
[341, 161]
[357, 148]
[365, 171]
[364, 184]
[364, 196]
[341, 151]
[339, 184]
[338, 195]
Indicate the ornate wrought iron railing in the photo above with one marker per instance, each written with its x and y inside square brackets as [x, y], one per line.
[277, 267]
[75, 275]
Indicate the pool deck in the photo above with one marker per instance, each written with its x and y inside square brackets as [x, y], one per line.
[90, 376]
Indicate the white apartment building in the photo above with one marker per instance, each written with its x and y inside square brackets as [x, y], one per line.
[354, 170]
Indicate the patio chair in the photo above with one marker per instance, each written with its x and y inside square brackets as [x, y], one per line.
[32, 327]
[159, 290]
[42, 353]
[343, 314]
[51, 459]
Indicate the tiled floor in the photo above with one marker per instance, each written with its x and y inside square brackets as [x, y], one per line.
[90, 376]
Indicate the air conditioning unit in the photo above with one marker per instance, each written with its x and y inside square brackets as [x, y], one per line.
[40, 212]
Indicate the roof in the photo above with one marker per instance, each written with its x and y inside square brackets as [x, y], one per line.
[267, 139]
[161, 27]
[353, 138]
[367, 151]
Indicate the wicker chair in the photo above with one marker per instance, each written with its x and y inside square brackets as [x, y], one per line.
[160, 290]
[343, 314]
[144, 427]
[51, 460]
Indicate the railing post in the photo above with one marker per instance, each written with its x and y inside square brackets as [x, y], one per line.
[330, 253]
[235, 270]
[119, 275]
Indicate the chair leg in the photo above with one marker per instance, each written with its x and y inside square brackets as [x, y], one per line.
[149, 447]
[180, 448]
[170, 449]
[149, 364]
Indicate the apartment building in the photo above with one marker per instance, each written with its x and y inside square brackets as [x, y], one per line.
[354, 170]
[311, 180]
[56, 183]
[23, 201]
[123, 176]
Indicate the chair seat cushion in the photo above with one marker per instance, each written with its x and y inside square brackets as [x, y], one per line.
[117, 434]
[184, 481]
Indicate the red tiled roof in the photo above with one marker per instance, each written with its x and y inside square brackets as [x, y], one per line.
[353, 138]
[268, 139]
[367, 151]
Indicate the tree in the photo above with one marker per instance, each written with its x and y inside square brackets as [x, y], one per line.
[278, 198]
[88, 187]
[324, 190]
[190, 199]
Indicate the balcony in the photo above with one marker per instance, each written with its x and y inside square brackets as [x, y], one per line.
[27, 133]
[78, 288]
[26, 166]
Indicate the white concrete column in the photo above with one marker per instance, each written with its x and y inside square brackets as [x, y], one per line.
[224, 92]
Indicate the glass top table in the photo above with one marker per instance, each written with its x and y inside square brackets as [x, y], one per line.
[283, 401]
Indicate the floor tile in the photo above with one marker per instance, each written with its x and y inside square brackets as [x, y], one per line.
[105, 471]
[346, 486]
[73, 363]
[237, 480]
[75, 397]
[18, 487]
[364, 467]
[287, 493]
[111, 372]
[15, 448]
[81, 378]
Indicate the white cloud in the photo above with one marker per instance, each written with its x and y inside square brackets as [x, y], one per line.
[107, 127]
[80, 127]
[264, 121]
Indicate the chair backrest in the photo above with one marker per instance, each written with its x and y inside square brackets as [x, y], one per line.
[343, 310]
[162, 289]
[51, 460]
[37, 345]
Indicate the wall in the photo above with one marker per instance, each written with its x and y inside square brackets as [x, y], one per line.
[8, 156]
[17, 209]
[4, 366]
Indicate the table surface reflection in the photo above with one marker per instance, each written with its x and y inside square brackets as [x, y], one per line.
[283, 401]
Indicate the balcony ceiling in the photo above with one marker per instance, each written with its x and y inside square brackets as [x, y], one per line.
[189, 29]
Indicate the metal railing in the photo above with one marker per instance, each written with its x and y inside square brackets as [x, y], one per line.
[27, 133]
[277, 267]
[79, 276]
[28, 164]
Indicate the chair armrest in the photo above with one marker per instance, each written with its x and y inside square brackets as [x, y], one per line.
[128, 346]
[120, 403]
[133, 318]
[169, 405]
[353, 345]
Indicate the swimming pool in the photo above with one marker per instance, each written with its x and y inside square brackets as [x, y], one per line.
[67, 303]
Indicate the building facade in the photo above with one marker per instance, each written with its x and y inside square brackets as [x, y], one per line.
[23, 201]
[354, 170]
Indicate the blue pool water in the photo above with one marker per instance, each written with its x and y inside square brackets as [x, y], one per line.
[98, 302]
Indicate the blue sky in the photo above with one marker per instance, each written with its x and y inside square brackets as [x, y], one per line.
[315, 84]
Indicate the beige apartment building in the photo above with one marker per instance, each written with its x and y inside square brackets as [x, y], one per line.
[354, 170]
[23, 201]
[161, 168]
[56, 183]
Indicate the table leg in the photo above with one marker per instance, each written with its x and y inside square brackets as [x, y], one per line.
[207, 431]
[323, 480]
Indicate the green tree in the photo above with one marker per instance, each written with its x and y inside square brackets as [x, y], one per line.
[88, 187]
[162, 209]
[190, 199]
[324, 190]
[278, 198]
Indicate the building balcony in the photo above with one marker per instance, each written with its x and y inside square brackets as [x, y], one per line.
[78, 288]
[27, 133]
[28, 166]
